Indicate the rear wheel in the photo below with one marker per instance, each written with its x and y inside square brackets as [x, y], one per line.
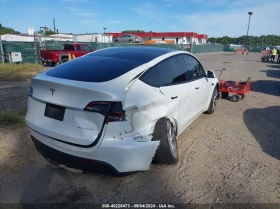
[213, 101]
[167, 152]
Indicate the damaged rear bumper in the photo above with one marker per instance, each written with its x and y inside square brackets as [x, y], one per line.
[119, 156]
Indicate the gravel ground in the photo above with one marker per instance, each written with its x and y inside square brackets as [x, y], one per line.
[232, 156]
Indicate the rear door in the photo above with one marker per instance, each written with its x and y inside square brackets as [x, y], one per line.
[171, 76]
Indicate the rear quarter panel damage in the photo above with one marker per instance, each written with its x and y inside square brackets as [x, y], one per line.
[144, 106]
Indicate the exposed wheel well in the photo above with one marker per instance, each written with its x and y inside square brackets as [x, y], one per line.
[174, 124]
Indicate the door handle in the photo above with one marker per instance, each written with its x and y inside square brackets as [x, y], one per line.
[196, 87]
[174, 97]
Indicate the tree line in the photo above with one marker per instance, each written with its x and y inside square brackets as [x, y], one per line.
[268, 40]
[6, 30]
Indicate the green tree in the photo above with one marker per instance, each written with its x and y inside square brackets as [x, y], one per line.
[267, 40]
[5, 30]
[48, 33]
[133, 31]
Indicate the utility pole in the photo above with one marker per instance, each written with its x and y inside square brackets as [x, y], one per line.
[54, 29]
[35, 50]
[1, 51]
[103, 37]
[249, 13]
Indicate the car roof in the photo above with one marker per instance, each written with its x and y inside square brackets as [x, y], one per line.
[139, 54]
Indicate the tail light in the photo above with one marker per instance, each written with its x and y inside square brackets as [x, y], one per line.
[116, 113]
[111, 110]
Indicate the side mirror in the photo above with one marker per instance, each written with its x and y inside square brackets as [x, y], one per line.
[211, 74]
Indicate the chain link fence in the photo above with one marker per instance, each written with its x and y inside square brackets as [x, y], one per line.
[30, 51]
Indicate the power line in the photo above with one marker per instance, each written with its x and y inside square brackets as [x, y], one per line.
[217, 23]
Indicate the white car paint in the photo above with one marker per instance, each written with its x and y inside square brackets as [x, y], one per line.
[125, 145]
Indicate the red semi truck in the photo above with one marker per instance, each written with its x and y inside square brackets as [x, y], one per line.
[55, 57]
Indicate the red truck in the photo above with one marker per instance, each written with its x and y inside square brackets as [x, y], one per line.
[55, 57]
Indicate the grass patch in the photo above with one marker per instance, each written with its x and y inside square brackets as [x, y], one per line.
[22, 72]
[11, 118]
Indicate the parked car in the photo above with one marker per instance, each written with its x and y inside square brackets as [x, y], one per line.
[129, 38]
[123, 109]
[266, 50]
[54, 57]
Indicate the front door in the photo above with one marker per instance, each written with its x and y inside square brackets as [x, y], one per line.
[202, 84]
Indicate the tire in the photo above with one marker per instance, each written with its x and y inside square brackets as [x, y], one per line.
[116, 41]
[235, 98]
[225, 95]
[167, 152]
[242, 96]
[213, 102]
[130, 41]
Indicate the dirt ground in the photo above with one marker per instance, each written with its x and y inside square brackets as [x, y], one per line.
[232, 156]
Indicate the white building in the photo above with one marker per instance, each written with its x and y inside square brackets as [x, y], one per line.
[30, 31]
[15, 37]
[93, 37]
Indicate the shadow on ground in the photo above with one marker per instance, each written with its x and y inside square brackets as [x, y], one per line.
[271, 87]
[274, 65]
[268, 137]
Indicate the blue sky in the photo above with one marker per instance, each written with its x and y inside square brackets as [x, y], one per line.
[214, 17]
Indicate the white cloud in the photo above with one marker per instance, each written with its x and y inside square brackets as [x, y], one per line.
[169, 3]
[230, 19]
[225, 22]
[85, 14]
[80, 12]
[42, 9]
[113, 22]
[150, 11]
[73, 9]
[76, 1]
[88, 22]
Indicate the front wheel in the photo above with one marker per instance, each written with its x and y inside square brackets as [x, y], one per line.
[213, 102]
[167, 152]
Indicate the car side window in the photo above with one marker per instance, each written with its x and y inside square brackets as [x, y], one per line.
[78, 47]
[171, 71]
[195, 69]
[85, 48]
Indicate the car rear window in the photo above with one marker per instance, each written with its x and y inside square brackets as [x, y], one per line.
[68, 47]
[93, 69]
[139, 54]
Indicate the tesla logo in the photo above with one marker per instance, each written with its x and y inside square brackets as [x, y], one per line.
[53, 90]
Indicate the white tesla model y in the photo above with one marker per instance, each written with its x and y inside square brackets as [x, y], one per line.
[118, 108]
